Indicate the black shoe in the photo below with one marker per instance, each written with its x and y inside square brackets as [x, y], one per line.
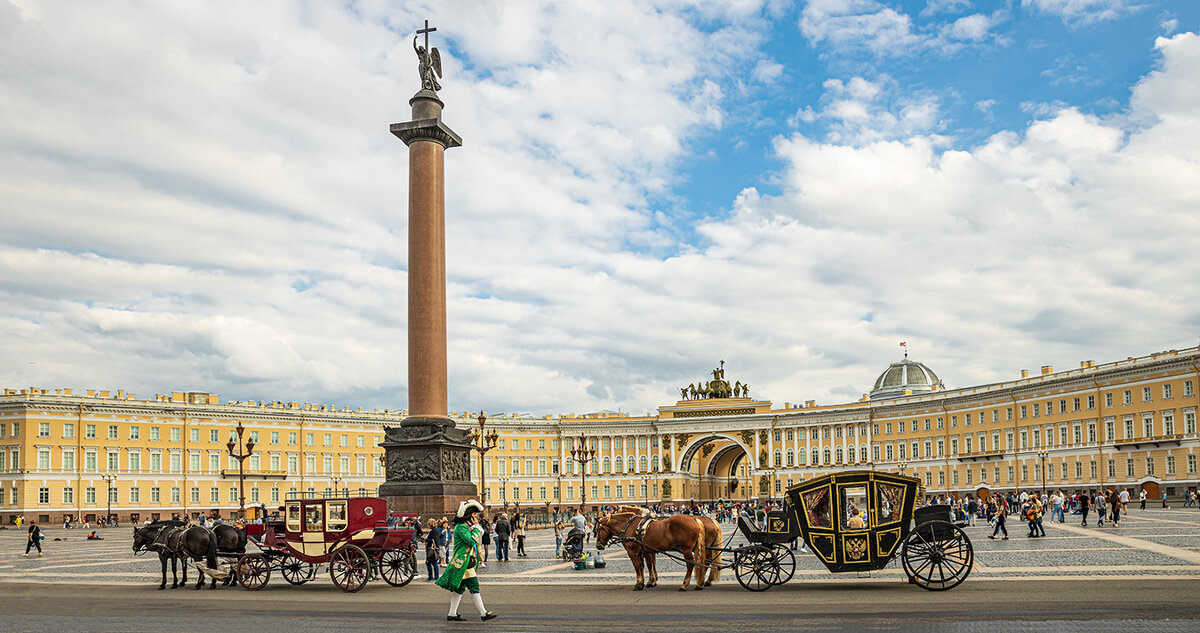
[456, 618]
[487, 616]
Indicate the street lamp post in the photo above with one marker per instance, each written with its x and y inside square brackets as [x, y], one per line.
[334, 480]
[109, 478]
[503, 488]
[1042, 455]
[902, 466]
[241, 458]
[646, 484]
[582, 455]
[482, 442]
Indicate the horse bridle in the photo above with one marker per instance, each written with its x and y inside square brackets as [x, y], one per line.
[618, 536]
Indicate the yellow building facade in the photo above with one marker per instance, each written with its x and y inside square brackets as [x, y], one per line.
[1125, 424]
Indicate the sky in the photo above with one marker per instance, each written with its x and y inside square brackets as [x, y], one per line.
[204, 196]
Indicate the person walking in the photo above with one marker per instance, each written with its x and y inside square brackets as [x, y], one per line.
[432, 551]
[519, 532]
[485, 539]
[558, 528]
[35, 539]
[1125, 501]
[1099, 502]
[1142, 496]
[503, 532]
[460, 574]
[1084, 505]
[1000, 513]
[1114, 500]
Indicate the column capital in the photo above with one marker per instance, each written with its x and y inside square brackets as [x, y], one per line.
[426, 130]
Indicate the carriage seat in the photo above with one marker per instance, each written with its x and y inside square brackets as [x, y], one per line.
[749, 530]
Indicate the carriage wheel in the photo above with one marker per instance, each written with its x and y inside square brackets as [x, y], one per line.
[397, 567]
[937, 556]
[253, 571]
[295, 571]
[350, 568]
[752, 566]
[785, 562]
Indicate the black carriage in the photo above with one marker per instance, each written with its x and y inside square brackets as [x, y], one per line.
[857, 521]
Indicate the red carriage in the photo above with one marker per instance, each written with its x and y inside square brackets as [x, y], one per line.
[354, 536]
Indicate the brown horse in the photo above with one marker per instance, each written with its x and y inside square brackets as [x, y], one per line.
[644, 536]
[712, 536]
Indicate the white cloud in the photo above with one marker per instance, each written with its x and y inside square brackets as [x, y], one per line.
[200, 200]
[853, 27]
[1083, 11]
[767, 71]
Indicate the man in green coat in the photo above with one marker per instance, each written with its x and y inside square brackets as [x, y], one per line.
[460, 571]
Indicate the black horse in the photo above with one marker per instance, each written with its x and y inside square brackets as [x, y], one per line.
[230, 540]
[177, 541]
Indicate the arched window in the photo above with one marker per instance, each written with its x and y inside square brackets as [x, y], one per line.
[595, 466]
[778, 458]
[827, 457]
[620, 465]
[816, 457]
[801, 455]
[862, 452]
[850, 454]
[839, 454]
[791, 457]
[607, 465]
[654, 462]
[642, 464]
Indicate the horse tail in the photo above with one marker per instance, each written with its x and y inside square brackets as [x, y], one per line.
[211, 554]
[701, 552]
[715, 541]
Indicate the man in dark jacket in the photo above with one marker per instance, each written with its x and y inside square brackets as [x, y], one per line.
[35, 539]
[503, 531]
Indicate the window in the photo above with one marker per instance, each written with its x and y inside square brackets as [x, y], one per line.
[292, 438]
[327, 439]
[1170, 464]
[1129, 467]
[1024, 472]
[89, 495]
[310, 439]
[888, 428]
[1168, 424]
[44, 431]
[1023, 412]
[68, 430]
[1091, 402]
[1110, 430]
[175, 435]
[114, 461]
[1145, 394]
[194, 435]
[68, 460]
[214, 436]
[1108, 400]
[1149, 465]
[1128, 428]
[89, 431]
[1128, 395]
[89, 461]
[1191, 459]
[155, 494]
[43, 459]
[1074, 405]
[69, 495]
[1189, 422]
[1187, 389]
[1167, 391]
[1148, 426]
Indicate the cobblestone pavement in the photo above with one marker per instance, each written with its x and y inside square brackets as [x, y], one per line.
[1157, 542]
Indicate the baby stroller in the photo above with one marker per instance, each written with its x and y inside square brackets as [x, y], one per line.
[573, 544]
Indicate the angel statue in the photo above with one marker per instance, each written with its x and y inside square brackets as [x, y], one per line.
[429, 66]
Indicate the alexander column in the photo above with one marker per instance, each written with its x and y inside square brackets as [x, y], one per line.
[427, 458]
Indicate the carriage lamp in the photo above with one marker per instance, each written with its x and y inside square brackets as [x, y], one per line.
[582, 455]
[241, 457]
[483, 441]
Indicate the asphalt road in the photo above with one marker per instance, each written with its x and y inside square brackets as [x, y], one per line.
[1091, 605]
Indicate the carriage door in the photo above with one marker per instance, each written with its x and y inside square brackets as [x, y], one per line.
[855, 520]
[887, 515]
[312, 537]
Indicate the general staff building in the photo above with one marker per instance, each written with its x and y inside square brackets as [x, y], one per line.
[1129, 423]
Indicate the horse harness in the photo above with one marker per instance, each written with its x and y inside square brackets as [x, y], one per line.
[639, 534]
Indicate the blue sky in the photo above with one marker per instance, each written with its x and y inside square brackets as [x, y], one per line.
[204, 196]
